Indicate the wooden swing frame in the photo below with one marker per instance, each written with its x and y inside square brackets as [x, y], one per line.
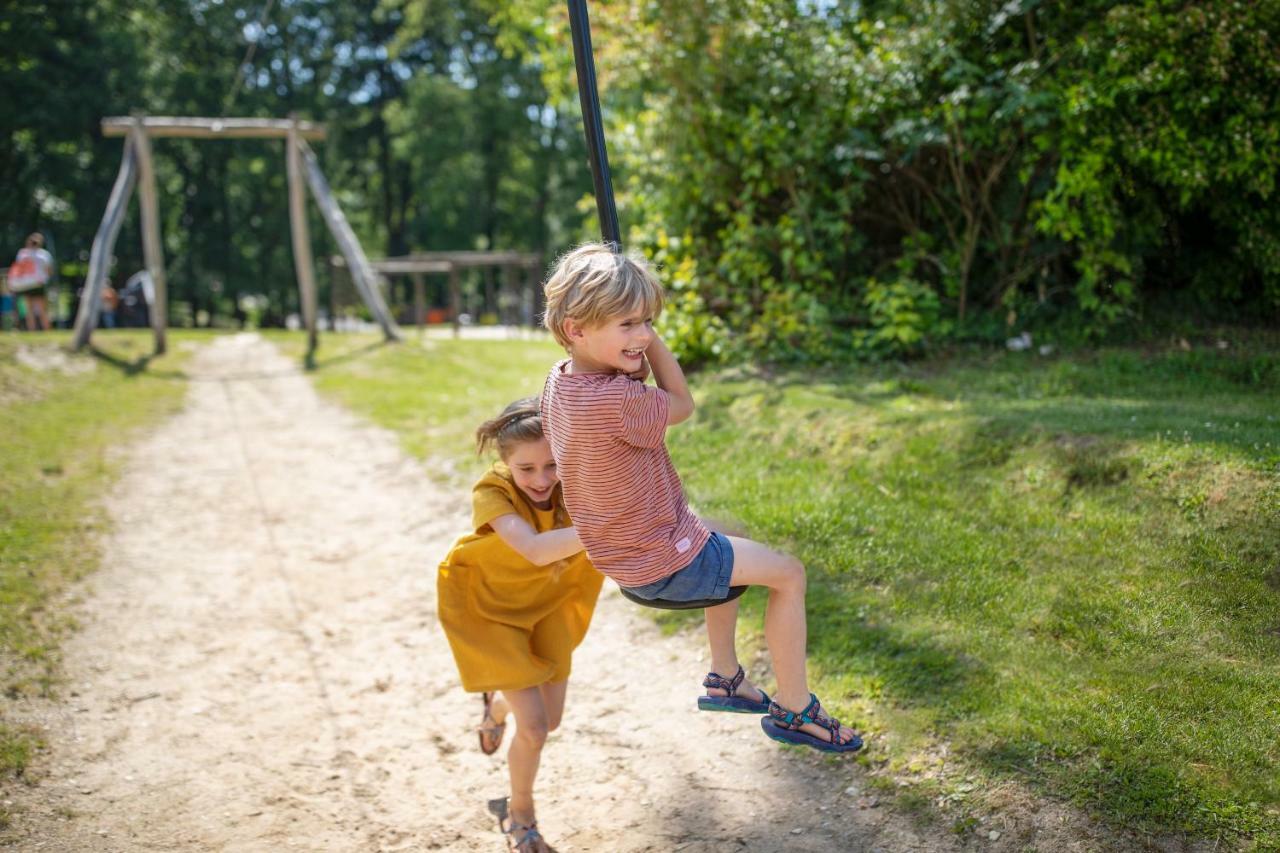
[137, 169]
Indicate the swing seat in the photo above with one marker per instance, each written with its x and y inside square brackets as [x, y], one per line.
[696, 604]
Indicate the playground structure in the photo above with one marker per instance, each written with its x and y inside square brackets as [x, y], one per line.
[137, 169]
[518, 274]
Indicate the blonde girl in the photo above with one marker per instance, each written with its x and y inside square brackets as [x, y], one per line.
[516, 596]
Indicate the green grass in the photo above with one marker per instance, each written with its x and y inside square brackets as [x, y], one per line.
[60, 420]
[432, 393]
[1064, 570]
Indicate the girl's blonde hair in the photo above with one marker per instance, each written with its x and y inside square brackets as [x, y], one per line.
[519, 422]
[593, 284]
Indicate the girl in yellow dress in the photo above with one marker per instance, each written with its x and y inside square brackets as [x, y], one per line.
[515, 599]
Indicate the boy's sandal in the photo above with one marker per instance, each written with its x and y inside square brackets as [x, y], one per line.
[733, 703]
[784, 726]
[521, 838]
[490, 730]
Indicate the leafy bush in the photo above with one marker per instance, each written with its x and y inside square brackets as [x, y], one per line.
[1028, 163]
[902, 315]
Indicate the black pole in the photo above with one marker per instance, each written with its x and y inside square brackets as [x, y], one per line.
[592, 125]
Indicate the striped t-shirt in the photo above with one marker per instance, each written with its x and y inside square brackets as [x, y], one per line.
[622, 492]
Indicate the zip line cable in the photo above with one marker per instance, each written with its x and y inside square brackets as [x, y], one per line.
[248, 56]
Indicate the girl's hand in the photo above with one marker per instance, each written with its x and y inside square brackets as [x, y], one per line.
[642, 373]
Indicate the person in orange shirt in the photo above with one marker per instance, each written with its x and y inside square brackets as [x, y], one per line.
[110, 301]
[515, 598]
[29, 278]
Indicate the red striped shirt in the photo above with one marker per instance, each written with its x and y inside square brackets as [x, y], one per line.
[622, 492]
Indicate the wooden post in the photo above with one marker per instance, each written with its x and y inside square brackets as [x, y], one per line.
[333, 295]
[302, 260]
[419, 299]
[152, 249]
[361, 272]
[531, 301]
[455, 299]
[489, 302]
[103, 244]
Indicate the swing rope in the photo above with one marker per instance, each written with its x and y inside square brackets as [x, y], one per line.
[597, 156]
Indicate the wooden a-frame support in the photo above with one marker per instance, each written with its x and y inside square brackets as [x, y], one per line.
[136, 168]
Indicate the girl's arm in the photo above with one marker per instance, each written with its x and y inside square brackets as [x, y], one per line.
[538, 548]
[670, 378]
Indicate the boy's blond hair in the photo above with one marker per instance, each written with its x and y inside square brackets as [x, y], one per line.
[593, 284]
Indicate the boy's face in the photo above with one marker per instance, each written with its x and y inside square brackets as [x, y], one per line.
[534, 470]
[618, 344]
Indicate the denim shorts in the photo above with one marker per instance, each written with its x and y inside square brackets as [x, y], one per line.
[707, 577]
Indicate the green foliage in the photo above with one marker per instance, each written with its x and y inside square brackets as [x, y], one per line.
[697, 336]
[1034, 165]
[901, 315]
[1072, 168]
[439, 137]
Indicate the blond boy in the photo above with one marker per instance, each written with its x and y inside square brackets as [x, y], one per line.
[607, 430]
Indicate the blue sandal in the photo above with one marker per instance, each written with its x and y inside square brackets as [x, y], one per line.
[521, 837]
[784, 726]
[732, 703]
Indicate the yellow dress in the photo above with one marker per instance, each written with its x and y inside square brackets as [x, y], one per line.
[512, 624]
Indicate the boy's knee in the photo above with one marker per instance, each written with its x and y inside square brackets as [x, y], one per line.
[553, 723]
[793, 571]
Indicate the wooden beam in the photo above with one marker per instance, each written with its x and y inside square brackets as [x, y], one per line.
[303, 263]
[419, 300]
[212, 128]
[104, 243]
[474, 259]
[529, 299]
[432, 262]
[410, 267]
[152, 248]
[455, 300]
[362, 275]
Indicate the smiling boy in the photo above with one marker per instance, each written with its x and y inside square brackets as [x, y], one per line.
[607, 433]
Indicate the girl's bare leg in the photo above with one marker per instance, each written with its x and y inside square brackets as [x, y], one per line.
[785, 627]
[526, 748]
[553, 694]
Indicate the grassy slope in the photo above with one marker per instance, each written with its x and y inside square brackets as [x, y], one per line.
[57, 428]
[1064, 569]
[432, 393]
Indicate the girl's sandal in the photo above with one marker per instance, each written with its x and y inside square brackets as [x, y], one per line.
[784, 726]
[521, 838]
[733, 703]
[490, 730]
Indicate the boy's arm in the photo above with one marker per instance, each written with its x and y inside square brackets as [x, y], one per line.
[670, 378]
[538, 548]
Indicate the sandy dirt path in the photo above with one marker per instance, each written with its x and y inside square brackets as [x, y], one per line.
[259, 666]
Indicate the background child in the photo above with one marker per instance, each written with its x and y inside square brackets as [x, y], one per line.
[607, 434]
[515, 598]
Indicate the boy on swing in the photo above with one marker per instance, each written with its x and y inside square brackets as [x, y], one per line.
[607, 435]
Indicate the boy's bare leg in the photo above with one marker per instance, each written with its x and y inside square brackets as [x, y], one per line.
[722, 625]
[525, 753]
[785, 627]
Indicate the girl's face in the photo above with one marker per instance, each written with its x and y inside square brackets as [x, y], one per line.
[534, 470]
